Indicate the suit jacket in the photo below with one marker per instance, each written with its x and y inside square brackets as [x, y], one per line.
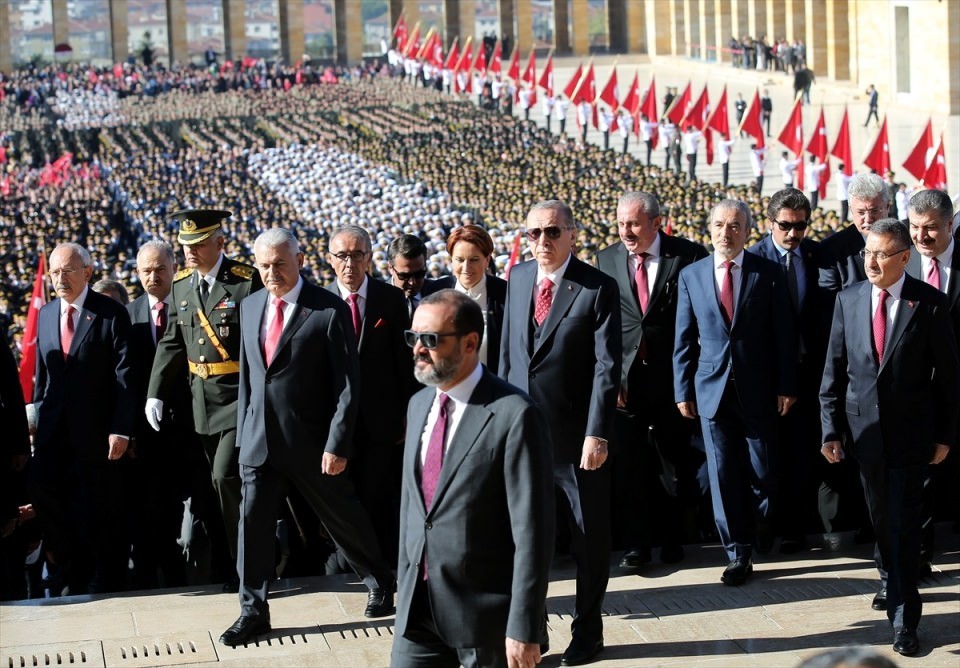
[305, 402]
[214, 398]
[575, 389]
[386, 364]
[759, 347]
[654, 330]
[914, 269]
[813, 320]
[840, 263]
[898, 411]
[496, 300]
[488, 536]
[89, 395]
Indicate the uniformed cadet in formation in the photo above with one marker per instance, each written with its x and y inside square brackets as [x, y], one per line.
[202, 339]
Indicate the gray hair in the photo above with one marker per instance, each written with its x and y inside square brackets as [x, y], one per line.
[936, 202]
[741, 207]
[277, 236]
[161, 247]
[355, 231]
[891, 227]
[650, 204]
[77, 249]
[868, 186]
[556, 205]
[113, 289]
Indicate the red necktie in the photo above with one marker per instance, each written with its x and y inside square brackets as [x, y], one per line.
[161, 320]
[933, 274]
[880, 326]
[66, 332]
[544, 301]
[433, 462]
[274, 331]
[643, 286]
[726, 293]
[354, 300]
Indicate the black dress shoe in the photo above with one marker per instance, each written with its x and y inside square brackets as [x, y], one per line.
[880, 600]
[905, 642]
[379, 603]
[671, 554]
[245, 629]
[737, 571]
[792, 544]
[634, 560]
[580, 652]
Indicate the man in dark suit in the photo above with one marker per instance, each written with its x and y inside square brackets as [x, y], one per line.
[14, 455]
[654, 440]
[407, 258]
[379, 317]
[202, 342]
[788, 214]
[85, 413]
[296, 410]
[936, 259]
[477, 510]
[156, 478]
[891, 379]
[841, 505]
[560, 310]
[734, 362]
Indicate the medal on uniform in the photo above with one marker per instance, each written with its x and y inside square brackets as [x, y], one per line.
[183, 305]
[224, 331]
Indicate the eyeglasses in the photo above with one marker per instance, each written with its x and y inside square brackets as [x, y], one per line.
[355, 256]
[56, 273]
[552, 232]
[863, 213]
[429, 340]
[786, 227]
[880, 255]
[409, 275]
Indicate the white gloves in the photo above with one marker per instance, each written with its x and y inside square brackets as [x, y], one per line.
[154, 411]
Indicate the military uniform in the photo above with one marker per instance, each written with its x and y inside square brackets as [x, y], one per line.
[202, 339]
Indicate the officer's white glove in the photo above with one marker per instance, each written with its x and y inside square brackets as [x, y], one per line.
[154, 413]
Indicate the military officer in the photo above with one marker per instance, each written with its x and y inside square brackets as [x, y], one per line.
[202, 339]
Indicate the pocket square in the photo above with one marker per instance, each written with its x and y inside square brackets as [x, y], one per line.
[380, 323]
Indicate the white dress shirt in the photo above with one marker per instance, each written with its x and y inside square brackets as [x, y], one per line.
[719, 272]
[361, 292]
[652, 263]
[459, 396]
[211, 276]
[893, 305]
[152, 303]
[945, 259]
[289, 306]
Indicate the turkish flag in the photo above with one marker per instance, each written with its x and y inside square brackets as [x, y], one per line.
[529, 76]
[587, 89]
[818, 147]
[496, 57]
[936, 174]
[678, 109]
[697, 112]
[791, 136]
[513, 71]
[611, 92]
[841, 147]
[572, 86]
[28, 349]
[719, 118]
[453, 56]
[546, 78]
[400, 33]
[751, 123]
[878, 157]
[916, 163]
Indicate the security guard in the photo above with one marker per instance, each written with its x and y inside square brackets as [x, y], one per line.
[202, 338]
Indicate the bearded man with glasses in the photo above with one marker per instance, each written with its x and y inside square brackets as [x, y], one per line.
[788, 216]
[561, 344]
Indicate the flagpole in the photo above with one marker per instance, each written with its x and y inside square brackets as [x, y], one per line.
[583, 75]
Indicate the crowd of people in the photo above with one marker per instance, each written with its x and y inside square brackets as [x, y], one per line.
[366, 183]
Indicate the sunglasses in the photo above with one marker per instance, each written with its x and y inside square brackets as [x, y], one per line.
[552, 232]
[786, 227]
[409, 275]
[429, 340]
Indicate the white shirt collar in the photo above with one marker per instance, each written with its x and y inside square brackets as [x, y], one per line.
[152, 301]
[211, 276]
[462, 391]
[292, 295]
[654, 250]
[945, 258]
[77, 303]
[555, 276]
[894, 290]
[477, 292]
[345, 292]
[718, 260]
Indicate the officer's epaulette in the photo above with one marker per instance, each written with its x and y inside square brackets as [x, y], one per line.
[182, 274]
[244, 271]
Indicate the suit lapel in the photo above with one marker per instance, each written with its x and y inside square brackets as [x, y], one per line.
[905, 312]
[748, 279]
[621, 273]
[953, 283]
[475, 417]
[419, 409]
[522, 302]
[863, 318]
[84, 325]
[664, 271]
[563, 296]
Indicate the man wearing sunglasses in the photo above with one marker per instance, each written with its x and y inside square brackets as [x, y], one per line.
[407, 256]
[477, 515]
[891, 381]
[561, 345]
[787, 217]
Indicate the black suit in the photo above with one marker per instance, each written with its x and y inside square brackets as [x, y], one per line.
[486, 541]
[493, 317]
[895, 413]
[570, 366]
[15, 443]
[80, 402]
[386, 384]
[799, 434]
[654, 443]
[288, 415]
[840, 263]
